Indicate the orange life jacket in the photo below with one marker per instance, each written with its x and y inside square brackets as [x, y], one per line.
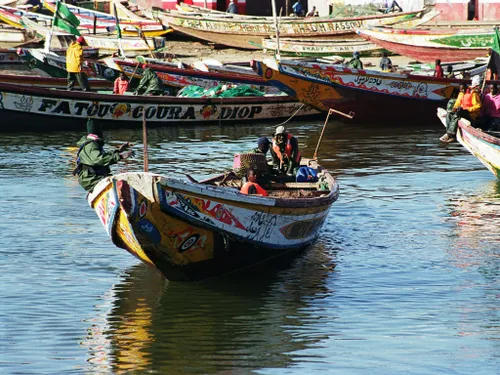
[288, 149]
[467, 100]
[260, 190]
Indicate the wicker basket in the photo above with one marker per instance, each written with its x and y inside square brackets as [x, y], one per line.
[242, 162]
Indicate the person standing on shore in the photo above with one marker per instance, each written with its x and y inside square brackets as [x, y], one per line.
[232, 8]
[385, 63]
[355, 62]
[74, 62]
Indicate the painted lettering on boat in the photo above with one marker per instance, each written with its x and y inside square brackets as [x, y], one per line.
[261, 226]
[364, 80]
[151, 112]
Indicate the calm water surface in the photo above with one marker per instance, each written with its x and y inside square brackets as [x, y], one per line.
[404, 278]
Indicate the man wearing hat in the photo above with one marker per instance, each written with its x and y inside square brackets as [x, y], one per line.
[74, 62]
[467, 106]
[285, 152]
[355, 62]
[92, 163]
[262, 146]
[150, 83]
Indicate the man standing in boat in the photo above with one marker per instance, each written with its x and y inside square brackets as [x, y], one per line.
[467, 106]
[92, 161]
[285, 152]
[150, 83]
[74, 62]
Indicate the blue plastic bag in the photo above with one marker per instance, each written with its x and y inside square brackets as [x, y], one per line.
[306, 174]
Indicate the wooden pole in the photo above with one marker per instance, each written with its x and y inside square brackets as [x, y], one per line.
[276, 26]
[145, 142]
[349, 115]
[486, 71]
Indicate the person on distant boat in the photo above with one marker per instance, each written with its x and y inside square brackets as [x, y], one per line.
[491, 69]
[312, 12]
[232, 8]
[355, 62]
[449, 72]
[490, 112]
[92, 163]
[385, 63]
[120, 85]
[438, 70]
[468, 106]
[252, 185]
[74, 62]
[150, 83]
[285, 152]
[298, 9]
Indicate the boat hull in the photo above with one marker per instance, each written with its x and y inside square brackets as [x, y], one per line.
[192, 232]
[482, 145]
[373, 96]
[30, 108]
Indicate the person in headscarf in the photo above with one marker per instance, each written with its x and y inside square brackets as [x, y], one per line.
[150, 83]
[92, 164]
[355, 62]
[467, 106]
[285, 152]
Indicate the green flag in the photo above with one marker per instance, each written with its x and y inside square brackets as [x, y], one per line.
[494, 62]
[64, 19]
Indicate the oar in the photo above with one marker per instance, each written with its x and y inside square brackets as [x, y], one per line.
[140, 60]
[349, 115]
[145, 142]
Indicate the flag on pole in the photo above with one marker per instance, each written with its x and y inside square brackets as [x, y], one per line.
[64, 19]
[118, 30]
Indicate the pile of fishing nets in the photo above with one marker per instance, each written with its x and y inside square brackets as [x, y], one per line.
[219, 91]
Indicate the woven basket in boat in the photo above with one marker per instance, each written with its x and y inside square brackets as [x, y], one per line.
[251, 160]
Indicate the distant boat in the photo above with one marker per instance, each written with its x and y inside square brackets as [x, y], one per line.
[192, 231]
[483, 145]
[33, 108]
[427, 45]
[248, 31]
[374, 96]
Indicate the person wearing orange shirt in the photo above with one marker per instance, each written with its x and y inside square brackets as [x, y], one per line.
[467, 106]
[121, 84]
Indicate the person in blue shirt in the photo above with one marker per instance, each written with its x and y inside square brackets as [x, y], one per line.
[298, 9]
[232, 8]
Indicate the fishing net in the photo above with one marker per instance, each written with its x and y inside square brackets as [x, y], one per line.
[219, 91]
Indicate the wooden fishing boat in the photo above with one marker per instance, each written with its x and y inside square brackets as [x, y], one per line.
[191, 231]
[185, 76]
[373, 95]
[321, 48]
[12, 55]
[247, 32]
[483, 145]
[10, 34]
[131, 45]
[129, 26]
[52, 83]
[32, 108]
[427, 45]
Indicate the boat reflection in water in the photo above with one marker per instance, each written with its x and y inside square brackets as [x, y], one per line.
[222, 324]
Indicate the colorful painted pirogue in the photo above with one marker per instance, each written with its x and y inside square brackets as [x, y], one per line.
[248, 31]
[194, 231]
[427, 45]
[373, 95]
[483, 145]
[32, 108]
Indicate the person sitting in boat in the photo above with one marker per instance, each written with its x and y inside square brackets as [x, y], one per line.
[252, 185]
[232, 8]
[74, 62]
[449, 72]
[355, 62]
[491, 68]
[385, 63]
[285, 152]
[468, 106]
[92, 163]
[438, 70]
[121, 84]
[150, 83]
[312, 12]
[298, 9]
[490, 112]
[262, 146]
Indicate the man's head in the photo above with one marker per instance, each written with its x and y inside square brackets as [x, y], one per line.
[384, 54]
[94, 128]
[263, 144]
[123, 76]
[438, 62]
[462, 87]
[449, 69]
[80, 40]
[493, 89]
[280, 134]
[252, 175]
[356, 54]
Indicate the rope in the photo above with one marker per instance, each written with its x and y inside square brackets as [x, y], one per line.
[283, 123]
